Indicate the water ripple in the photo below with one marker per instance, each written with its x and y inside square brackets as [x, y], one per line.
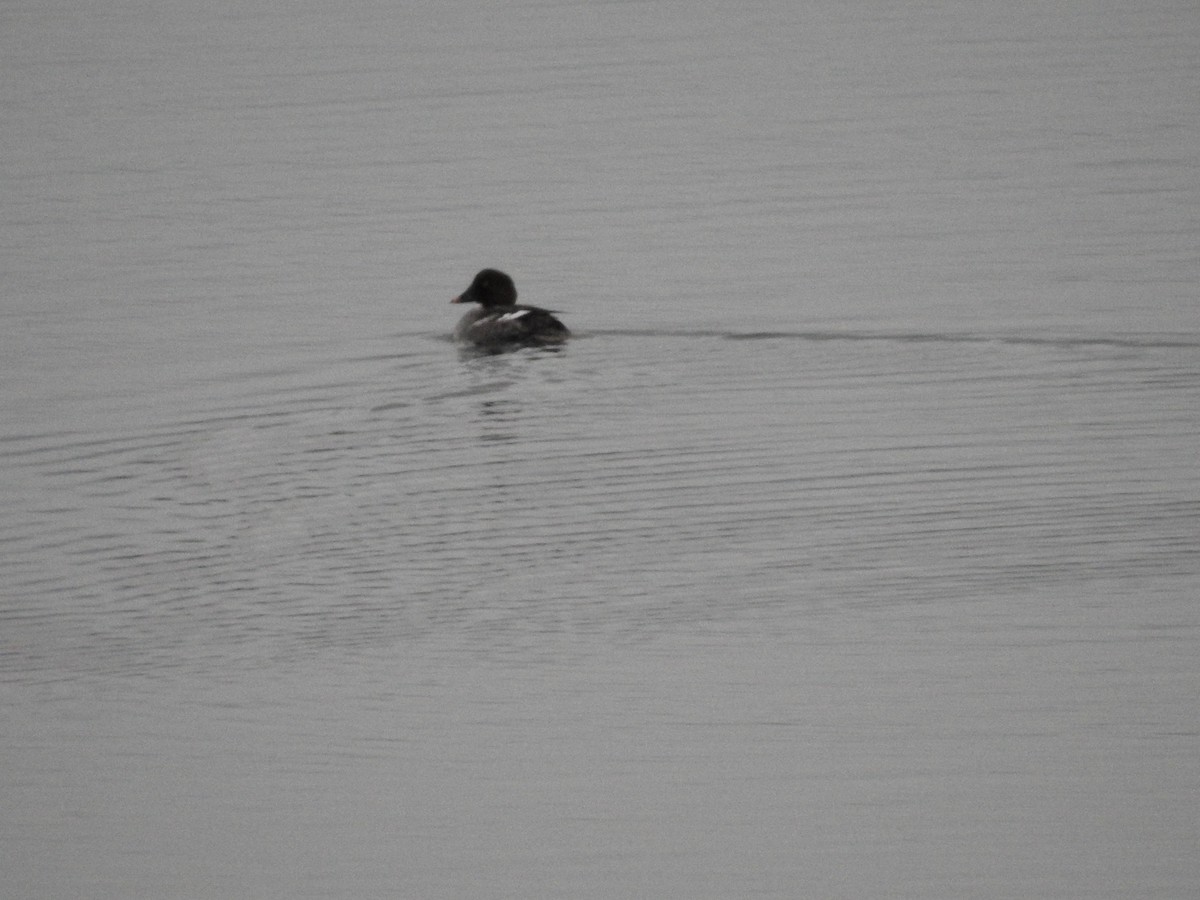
[615, 494]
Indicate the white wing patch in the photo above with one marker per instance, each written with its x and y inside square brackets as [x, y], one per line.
[513, 316]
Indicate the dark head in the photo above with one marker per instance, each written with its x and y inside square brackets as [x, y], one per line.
[490, 288]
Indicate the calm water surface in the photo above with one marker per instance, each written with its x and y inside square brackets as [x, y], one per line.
[849, 551]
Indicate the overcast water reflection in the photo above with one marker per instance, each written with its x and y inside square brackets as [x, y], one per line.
[848, 550]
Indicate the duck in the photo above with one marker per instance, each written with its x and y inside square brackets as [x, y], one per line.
[500, 323]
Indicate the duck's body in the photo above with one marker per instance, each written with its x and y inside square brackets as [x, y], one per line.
[500, 323]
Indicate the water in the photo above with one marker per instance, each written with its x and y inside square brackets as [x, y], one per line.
[849, 550]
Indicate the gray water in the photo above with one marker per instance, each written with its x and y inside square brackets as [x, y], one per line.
[852, 548]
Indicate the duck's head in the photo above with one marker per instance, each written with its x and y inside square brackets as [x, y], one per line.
[490, 288]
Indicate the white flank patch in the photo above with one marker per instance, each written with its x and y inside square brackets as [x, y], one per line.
[512, 316]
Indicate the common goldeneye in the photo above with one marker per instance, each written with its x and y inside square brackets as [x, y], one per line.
[500, 323]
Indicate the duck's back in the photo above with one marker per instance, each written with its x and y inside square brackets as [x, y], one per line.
[509, 326]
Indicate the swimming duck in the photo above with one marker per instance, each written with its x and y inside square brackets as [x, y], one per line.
[500, 323]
